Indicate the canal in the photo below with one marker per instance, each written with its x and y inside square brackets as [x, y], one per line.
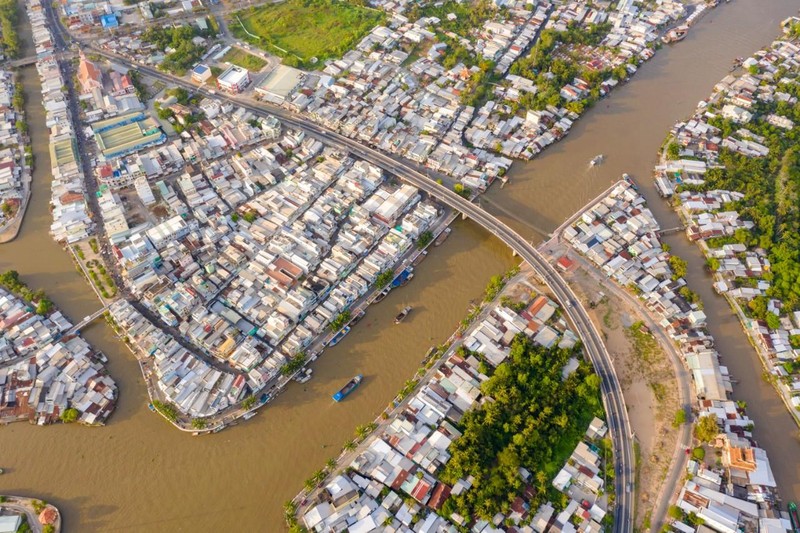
[139, 474]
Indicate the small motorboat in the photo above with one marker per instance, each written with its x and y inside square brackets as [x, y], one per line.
[596, 160]
[403, 314]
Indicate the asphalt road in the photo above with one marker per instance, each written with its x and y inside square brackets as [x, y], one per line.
[617, 415]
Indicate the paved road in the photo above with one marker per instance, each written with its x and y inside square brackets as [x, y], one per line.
[684, 441]
[617, 414]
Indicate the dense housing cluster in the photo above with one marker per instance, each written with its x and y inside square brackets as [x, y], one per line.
[16, 163]
[620, 235]
[430, 468]
[733, 171]
[47, 372]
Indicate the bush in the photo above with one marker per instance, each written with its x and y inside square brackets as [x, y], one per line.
[680, 418]
[706, 429]
[69, 415]
[699, 453]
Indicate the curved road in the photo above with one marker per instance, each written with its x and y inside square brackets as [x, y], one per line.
[617, 414]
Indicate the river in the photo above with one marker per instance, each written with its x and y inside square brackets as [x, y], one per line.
[140, 474]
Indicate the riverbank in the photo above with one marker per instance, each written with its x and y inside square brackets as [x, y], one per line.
[17, 166]
[39, 516]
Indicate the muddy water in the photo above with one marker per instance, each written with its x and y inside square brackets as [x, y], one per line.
[139, 474]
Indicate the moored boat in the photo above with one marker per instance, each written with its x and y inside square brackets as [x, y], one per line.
[403, 278]
[351, 385]
[442, 236]
[339, 336]
[381, 295]
[794, 518]
[304, 376]
[676, 34]
[420, 258]
[403, 314]
[249, 415]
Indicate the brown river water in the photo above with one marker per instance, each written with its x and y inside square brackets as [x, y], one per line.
[140, 474]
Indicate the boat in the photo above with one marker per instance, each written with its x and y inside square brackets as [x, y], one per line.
[794, 518]
[339, 336]
[596, 160]
[381, 295]
[403, 278]
[1, 471]
[676, 34]
[630, 181]
[442, 236]
[304, 376]
[249, 415]
[403, 314]
[347, 389]
[420, 257]
[357, 318]
[151, 407]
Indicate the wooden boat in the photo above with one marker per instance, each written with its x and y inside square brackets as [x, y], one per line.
[351, 385]
[403, 314]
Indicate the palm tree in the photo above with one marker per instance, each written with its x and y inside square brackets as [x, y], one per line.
[289, 508]
[310, 484]
[330, 464]
[350, 445]
[363, 430]
[319, 475]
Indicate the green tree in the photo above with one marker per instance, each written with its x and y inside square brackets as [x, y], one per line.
[198, 423]
[673, 151]
[69, 415]
[706, 429]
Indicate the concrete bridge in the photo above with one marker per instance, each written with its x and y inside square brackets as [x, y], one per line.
[88, 320]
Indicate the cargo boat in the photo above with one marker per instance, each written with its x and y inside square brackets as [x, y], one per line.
[381, 295]
[403, 314]
[420, 257]
[339, 336]
[442, 236]
[347, 389]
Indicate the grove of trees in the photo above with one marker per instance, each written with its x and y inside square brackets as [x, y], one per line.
[534, 421]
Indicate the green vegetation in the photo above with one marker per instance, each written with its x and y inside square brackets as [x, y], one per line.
[198, 423]
[645, 346]
[250, 216]
[179, 38]
[496, 284]
[69, 415]
[294, 364]
[39, 505]
[460, 190]
[555, 61]
[384, 278]
[239, 57]
[341, 320]
[678, 267]
[673, 151]
[771, 186]
[699, 453]
[8, 27]
[680, 418]
[138, 85]
[299, 30]
[706, 429]
[7, 209]
[249, 402]
[166, 409]
[424, 239]
[19, 97]
[535, 421]
[11, 282]
[469, 15]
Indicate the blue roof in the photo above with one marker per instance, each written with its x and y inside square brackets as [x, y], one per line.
[200, 69]
[109, 21]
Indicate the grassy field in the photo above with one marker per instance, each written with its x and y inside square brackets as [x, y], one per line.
[240, 58]
[299, 30]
